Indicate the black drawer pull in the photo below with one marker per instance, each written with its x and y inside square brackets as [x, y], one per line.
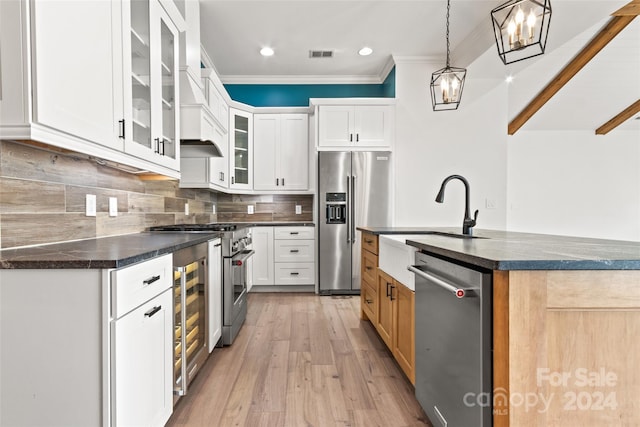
[369, 301]
[294, 251]
[217, 245]
[368, 241]
[294, 273]
[150, 281]
[294, 232]
[153, 311]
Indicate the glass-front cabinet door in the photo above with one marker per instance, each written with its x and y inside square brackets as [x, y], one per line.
[151, 83]
[241, 147]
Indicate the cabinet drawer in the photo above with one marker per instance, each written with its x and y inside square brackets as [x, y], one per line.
[369, 266]
[294, 250]
[295, 273]
[370, 242]
[299, 233]
[134, 285]
[369, 301]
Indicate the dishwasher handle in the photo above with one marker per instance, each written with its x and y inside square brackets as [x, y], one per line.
[459, 293]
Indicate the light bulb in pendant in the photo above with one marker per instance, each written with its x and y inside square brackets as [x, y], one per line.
[454, 88]
[531, 23]
[445, 89]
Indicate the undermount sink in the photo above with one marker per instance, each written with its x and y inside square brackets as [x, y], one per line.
[456, 235]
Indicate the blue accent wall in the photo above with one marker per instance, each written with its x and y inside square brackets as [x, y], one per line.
[297, 95]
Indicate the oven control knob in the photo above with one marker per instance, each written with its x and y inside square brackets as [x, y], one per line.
[238, 263]
[460, 293]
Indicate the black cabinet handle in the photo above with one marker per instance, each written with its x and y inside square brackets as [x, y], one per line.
[157, 147]
[283, 182]
[277, 182]
[294, 251]
[121, 128]
[391, 295]
[151, 280]
[294, 273]
[368, 241]
[217, 245]
[153, 311]
[369, 301]
[294, 232]
[357, 137]
[350, 137]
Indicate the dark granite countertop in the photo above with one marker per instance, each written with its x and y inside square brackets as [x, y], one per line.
[106, 252]
[506, 250]
[274, 224]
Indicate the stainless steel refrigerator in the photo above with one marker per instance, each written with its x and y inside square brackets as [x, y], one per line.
[354, 189]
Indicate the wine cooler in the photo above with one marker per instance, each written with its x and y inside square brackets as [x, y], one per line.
[190, 323]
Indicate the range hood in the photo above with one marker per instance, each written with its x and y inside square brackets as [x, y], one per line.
[200, 135]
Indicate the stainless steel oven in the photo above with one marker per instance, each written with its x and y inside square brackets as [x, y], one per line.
[234, 282]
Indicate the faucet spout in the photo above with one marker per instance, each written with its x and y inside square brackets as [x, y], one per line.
[467, 223]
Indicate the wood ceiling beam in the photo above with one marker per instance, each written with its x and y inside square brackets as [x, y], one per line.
[622, 117]
[612, 29]
[630, 9]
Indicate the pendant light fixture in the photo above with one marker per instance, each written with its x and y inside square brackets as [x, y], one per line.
[521, 28]
[448, 82]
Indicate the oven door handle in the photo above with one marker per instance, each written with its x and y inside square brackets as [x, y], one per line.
[241, 257]
[458, 292]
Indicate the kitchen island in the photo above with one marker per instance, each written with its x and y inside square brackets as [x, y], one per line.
[565, 322]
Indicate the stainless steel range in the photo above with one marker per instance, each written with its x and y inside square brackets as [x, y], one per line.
[234, 240]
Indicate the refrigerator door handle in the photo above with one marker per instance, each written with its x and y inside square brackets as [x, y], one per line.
[349, 219]
[353, 209]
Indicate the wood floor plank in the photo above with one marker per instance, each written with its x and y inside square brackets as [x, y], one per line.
[301, 360]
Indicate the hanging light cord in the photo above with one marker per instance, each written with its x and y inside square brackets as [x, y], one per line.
[448, 9]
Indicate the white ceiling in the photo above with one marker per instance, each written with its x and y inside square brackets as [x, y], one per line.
[233, 31]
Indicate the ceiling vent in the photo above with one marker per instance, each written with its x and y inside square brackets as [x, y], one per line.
[320, 54]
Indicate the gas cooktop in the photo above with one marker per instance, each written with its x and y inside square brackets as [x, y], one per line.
[196, 227]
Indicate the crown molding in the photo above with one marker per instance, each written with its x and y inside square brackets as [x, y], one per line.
[300, 79]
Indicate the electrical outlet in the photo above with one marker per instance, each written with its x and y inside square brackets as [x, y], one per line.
[90, 205]
[489, 203]
[250, 209]
[186, 208]
[113, 206]
[213, 209]
[298, 209]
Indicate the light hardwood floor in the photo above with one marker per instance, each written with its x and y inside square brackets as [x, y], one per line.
[301, 360]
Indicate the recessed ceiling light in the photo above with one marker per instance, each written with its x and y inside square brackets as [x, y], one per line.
[509, 78]
[365, 51]
[266, 51]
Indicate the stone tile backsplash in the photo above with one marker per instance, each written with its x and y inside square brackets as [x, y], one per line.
[42, 200]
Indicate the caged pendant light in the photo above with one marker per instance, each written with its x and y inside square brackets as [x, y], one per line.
[448, 82]
[521, 28]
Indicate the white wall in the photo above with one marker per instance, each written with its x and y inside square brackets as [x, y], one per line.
[432, 145]
[575, 183]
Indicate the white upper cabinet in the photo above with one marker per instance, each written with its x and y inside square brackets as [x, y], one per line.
[151, 83]
[281, 149]
[74, 61]
[98, 78]
[366, 126]
[241, 149]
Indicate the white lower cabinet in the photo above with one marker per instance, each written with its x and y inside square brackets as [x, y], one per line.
[262, 238]
[86, 346]
[141, 364]
[283, 256]
[215, 293]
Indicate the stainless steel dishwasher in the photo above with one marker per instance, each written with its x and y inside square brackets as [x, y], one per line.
[453, 342]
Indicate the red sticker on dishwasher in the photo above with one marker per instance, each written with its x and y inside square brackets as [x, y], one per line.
[460, 293]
